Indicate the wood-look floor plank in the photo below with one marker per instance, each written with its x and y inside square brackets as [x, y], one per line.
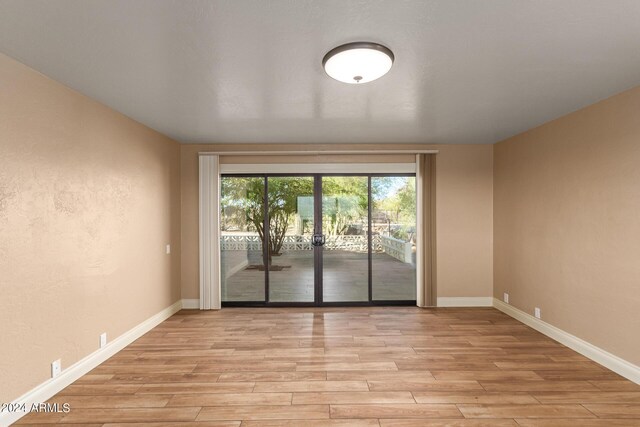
[416, 410]
[434, 385]
[611, 410]
[369, 351]
[310, 386]
[172, 424]
[131, 415]
[146, 378]
[41, 418]
[379, 375]
[524, 411]
[589, 397]
[94, 379]
[552, 366]
[502, 356]
[575, 357]
[577, 422]
[223, 399]
[113, 401]
[578, 375]
[242, 367]
[352, 397]
[533, 386]
[193, 388]
[486, 375]
[466, 351]
[99, 389]
[446, 366]
[477, 397]
[272, 376]
[355, 366]
[133, 368]
[617, 385]
[271, 412]
[60, 424]
[313, 423]
[447, 423]
[161, 354]
[205, 360]
[350, 358]
[276, 352]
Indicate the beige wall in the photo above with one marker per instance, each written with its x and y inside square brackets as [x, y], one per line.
[567, 223]
[464, 221]
[88, 200]
[464, 185]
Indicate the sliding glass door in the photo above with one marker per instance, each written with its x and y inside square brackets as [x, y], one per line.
[345, 225]
[291, 274]
[241, 239]
[317, 239]
[393, 226]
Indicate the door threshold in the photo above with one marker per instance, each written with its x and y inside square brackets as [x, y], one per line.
[325, 304]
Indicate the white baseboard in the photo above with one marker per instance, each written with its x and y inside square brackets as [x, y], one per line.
[465, 301]
[49, 388]
[606, 359]
[191, 304]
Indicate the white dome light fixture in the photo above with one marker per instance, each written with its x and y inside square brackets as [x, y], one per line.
[358, 62]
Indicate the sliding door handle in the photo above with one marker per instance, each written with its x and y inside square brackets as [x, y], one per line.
[317, 240]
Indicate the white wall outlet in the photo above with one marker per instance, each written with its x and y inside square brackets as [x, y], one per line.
[505, 297]
[103, 339]
[168, 249]
[536, 312]
[56, 368]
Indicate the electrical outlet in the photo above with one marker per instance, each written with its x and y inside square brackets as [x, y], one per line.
[56, 368]
[168, 249]
[103, 339]
[506, 297]
[537, 312]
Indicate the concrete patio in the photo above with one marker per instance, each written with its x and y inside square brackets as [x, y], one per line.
[344, 277]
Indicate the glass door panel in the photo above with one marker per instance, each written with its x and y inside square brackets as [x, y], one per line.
[290, 208]
[345, 254]
[393, 225]
[241, 231]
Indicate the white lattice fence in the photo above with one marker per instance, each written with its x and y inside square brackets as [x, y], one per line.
[399, 249]
[240, 242]
[251, 242]
[347, 243]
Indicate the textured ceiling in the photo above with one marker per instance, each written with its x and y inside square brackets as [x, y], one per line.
[250, 70]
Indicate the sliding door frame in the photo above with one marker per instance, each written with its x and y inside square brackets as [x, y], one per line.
[319, 250]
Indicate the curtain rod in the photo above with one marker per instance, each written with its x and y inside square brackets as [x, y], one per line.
[312, 153]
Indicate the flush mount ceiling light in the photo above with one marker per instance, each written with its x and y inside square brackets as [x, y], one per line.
[358, 62]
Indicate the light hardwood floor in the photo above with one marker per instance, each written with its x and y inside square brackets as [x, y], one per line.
[378, 366]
